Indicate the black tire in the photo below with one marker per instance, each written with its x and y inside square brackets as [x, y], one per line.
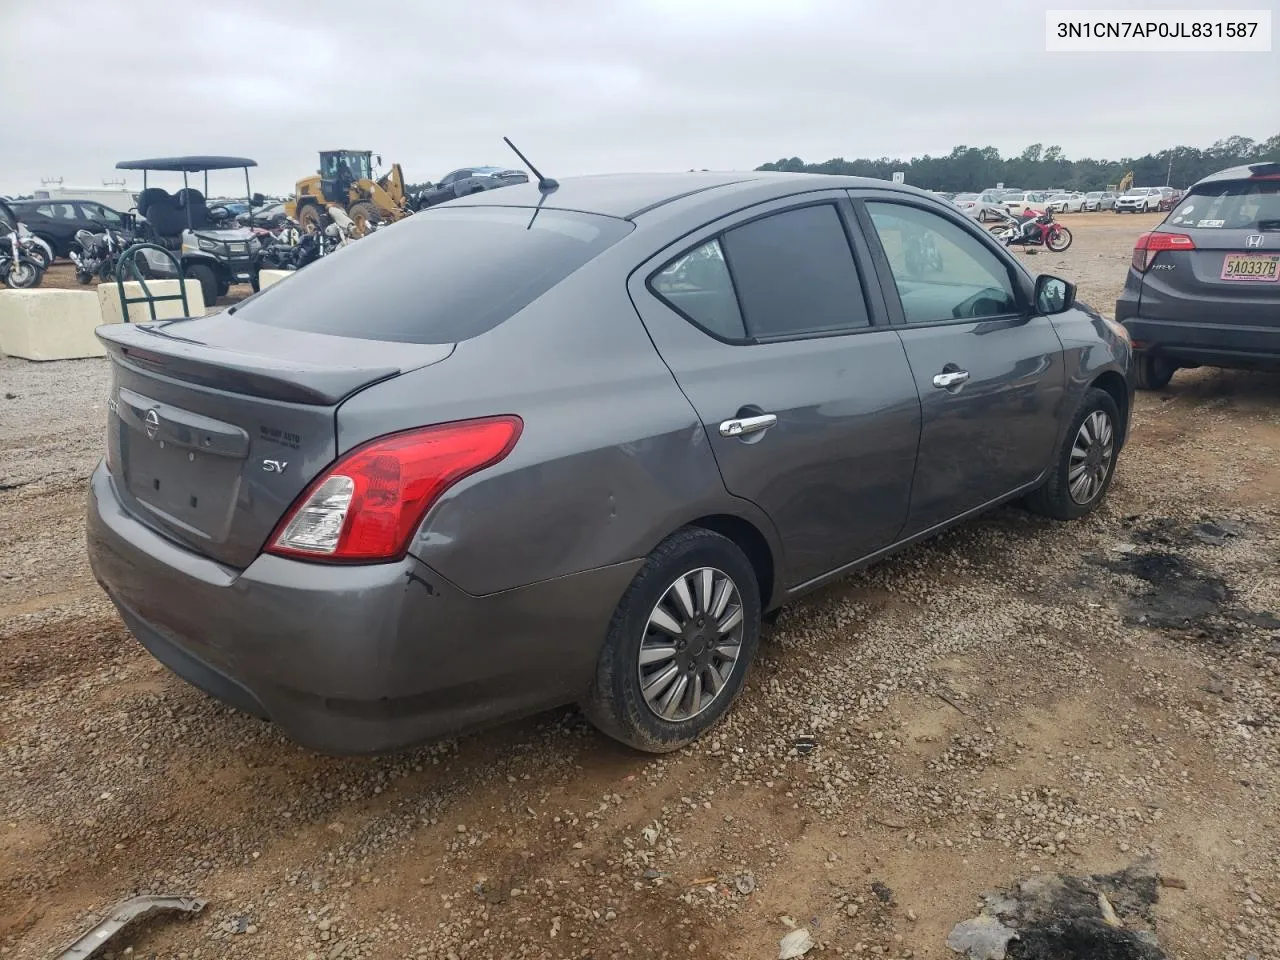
[24, 274]
[982, 216]
[255, 282]
[1060, 244]
[1054, 498]
[223, 288]
[84, 278]
[38, 254]
[615, 702]
[207, 279]
[1154, 373]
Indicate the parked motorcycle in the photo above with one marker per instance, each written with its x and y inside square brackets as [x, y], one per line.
[1035, 228]
[18, 270]
[98, 254]
[291, 249]
[35, 248]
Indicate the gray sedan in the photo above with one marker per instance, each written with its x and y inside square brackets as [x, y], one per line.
[574, 442]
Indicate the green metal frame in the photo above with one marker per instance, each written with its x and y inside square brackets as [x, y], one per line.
[129, 258]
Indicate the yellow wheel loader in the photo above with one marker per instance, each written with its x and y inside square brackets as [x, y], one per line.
[345, 179]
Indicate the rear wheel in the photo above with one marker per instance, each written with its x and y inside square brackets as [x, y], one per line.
[1154, 373]
[679, 644]
[1086, 461]
[207, 279]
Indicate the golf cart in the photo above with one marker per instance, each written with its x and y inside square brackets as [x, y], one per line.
[217, 252]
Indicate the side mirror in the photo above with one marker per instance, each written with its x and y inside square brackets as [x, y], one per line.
[378, 159]
[1054, 295]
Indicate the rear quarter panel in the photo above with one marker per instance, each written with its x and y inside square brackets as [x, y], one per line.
[612, 457]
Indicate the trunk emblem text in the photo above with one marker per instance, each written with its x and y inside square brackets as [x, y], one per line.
[1253, 240]
[274, 466]
[151, 423]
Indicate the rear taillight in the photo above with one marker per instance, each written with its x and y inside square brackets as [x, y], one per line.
[369, 503]
[1149, 244]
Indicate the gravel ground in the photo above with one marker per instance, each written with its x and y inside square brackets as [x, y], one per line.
[1014, 697]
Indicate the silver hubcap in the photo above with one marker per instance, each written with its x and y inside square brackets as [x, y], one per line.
[1091, 457]
[691, 643]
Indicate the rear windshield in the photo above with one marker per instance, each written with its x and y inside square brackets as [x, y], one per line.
[440, 276]
[1231, 205]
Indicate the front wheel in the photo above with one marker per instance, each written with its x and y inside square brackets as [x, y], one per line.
[982, 216]
[1085, 463]
[365, 216]
[207, 279]
[1058, 239]
[311, 219]
[679, 645]
[24, 273]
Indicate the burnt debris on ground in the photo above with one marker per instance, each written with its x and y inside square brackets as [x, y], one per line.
[1061, 917]
[1178, 592]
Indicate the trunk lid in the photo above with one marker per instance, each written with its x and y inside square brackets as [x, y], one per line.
[215, 424]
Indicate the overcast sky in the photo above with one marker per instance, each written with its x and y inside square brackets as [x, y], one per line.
[589, 85]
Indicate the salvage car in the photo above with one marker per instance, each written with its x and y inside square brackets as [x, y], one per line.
[1096, 200]
[57, 222]
[466, 181]
[1203, 288]
[985, 206]
[1139, 200]
[573, 442]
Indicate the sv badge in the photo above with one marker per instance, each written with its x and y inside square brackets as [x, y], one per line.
[274, 466]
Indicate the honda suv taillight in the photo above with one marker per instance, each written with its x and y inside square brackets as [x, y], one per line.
[367, 505]
[1149, 244]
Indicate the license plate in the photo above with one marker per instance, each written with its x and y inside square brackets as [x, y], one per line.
[1251, 266]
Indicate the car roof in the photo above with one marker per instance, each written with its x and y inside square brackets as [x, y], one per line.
[192, 164]
[626, 196]
[1268, 169]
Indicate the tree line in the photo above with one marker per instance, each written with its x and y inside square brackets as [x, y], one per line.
[977, 168]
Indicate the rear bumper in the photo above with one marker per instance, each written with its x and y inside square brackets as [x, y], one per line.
[1208, 344]
[351, 659]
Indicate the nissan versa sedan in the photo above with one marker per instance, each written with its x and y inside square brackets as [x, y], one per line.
[573, 442]
[1204, 286]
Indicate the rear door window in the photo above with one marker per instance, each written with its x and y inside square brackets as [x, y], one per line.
[440, 276]
[783, 276]
[1231, 205]
[795, 274]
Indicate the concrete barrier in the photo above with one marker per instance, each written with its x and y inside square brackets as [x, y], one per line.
[109, 301]
[44, 324]
[267, 277]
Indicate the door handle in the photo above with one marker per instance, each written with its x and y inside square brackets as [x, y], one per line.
[744, 425]
[952, 378]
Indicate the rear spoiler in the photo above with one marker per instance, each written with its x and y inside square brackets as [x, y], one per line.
[228, 366]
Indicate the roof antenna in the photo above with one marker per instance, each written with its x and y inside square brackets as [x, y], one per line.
[545, 184]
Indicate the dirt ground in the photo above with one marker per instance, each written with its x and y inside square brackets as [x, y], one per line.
[62, 276]
[1014, 697]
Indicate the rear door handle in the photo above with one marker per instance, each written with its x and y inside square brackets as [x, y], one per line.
[744, 425]
[952, 378]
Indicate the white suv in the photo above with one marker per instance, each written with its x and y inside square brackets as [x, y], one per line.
[1139, 200]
